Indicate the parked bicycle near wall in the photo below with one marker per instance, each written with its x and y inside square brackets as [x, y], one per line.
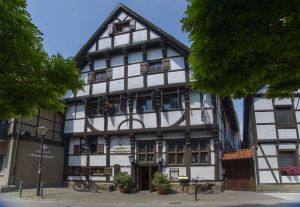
[85, 185]
[203, 186]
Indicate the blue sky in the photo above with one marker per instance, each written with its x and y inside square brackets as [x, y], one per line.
[68, 24]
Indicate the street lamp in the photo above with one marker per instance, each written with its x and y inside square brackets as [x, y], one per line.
[131, 158]
[159, 160]
[41, 131]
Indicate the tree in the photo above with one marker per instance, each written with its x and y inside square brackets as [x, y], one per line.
[239, 46]
[29, 78]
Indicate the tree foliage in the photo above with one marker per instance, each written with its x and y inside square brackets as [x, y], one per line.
[238, 46]
[29, 78]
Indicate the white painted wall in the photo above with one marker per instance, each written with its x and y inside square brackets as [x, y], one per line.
[117, 85]
[119, 160]
[197, 118]
[84, 92]
[117, 60]
[118, 72]
[264, 117]
[122, 39]
[176, 77]
[114, 121]
[97, 160]
[149, 120]
[72, 126]
[155, 80]
[104, 43]
[78, 160]
[97, 123]
[205, 172]
[73, 141]
[171, 52]
[287, 133]
[99, 64]
[139, 36]
[136, 82]
[283, 101]
[269, 149]
[134, 70]
[290, 178]
[267, 177]
[266, 132]
[138, 25]
[171, 117]
[154, 54]
[99, 88]
[135, 57]
[153, 35]
[263, 104]
[177, 63]
[182, 170]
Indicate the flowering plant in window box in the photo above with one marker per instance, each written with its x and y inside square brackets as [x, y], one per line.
[290, 170]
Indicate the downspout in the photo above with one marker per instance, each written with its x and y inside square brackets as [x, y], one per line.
[16, 153]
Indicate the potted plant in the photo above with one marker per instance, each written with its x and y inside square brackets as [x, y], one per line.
[123, 181]
[161, 182]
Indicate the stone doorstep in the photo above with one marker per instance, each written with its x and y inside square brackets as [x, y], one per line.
[6, 189]
[278, 188]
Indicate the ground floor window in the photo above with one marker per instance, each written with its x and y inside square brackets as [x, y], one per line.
[289, 163]
[174, 173]
[146, 152]
[200, 152]
[175, 152]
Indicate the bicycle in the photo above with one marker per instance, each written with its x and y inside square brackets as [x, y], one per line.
[203, 186]
[85, 185]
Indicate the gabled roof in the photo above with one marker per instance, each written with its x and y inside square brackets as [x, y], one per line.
[122, 8]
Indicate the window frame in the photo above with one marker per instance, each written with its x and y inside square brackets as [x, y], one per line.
[121, 23]
[199, 151]
[295, 156]
[146, 153]
[82, 149]
[292, 116]
[98, 109]
[175, 152]
[94, 142]
[168, 96]
[173, 170]
[155, 62]
[139, 104]
[98, 73]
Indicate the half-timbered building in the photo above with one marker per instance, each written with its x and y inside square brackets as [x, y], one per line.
[137, 112]
[271, 128]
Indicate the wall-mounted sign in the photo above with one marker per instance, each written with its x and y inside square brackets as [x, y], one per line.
[47, 154]
[120, 145]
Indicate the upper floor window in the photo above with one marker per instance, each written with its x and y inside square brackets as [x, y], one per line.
[95, 110]
[144, 104]
[122, 27]
[284, 117]
[116, 107]
[170, 102]
[155, 67]
[200, 152]
[101, 76]
[79, 148]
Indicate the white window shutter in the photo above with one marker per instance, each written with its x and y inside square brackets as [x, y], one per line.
[132, 24]
[110, 28]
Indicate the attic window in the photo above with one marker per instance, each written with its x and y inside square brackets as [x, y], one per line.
[122, 27]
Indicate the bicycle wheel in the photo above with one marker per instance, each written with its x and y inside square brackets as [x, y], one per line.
[191, 189]
[93, 187]
[78, 186]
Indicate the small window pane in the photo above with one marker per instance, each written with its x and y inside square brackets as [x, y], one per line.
[150, 147]
[287, 159]
[180, 158]
[171, 147]
[142, 158]
[141, 147]
[180, 147]
[150, 158]
[171, 158]
[203, 157]
[101, 76]
[195, 157]
[283, 117]
[174, 173]
[203, 145]
[155, 67]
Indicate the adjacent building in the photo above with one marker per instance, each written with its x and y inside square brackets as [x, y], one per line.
[271, 129]
[137, 112]
[20, 151]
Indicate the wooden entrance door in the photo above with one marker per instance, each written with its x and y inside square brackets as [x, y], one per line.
[239, 175]
[145, 176]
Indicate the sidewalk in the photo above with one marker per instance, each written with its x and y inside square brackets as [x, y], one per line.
[227, 198]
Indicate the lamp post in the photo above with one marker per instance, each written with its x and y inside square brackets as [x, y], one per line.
[132, 168]
[159, 160]
[41, 131]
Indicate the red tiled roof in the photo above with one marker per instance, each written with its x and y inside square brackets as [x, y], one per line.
[238, 154]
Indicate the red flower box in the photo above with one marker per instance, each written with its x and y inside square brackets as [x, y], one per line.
[290, 170]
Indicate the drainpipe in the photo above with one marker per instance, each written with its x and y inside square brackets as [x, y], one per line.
[13, 178]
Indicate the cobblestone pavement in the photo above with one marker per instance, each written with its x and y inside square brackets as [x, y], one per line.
[66, 197]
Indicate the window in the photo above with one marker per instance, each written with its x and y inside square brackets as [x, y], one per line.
[175, 150]
[287, 158]
[95, 110]
[96, 149]
[79, 148]
[174, 173]
[200, 152]
[284, 117]
[146, 152]
[122, 27]
[155, 67]
[1, 163]
[117, 106]
[144, 104]
[170, 102]
[100, 76]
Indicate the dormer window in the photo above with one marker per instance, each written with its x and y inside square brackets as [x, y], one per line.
[122, 27]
